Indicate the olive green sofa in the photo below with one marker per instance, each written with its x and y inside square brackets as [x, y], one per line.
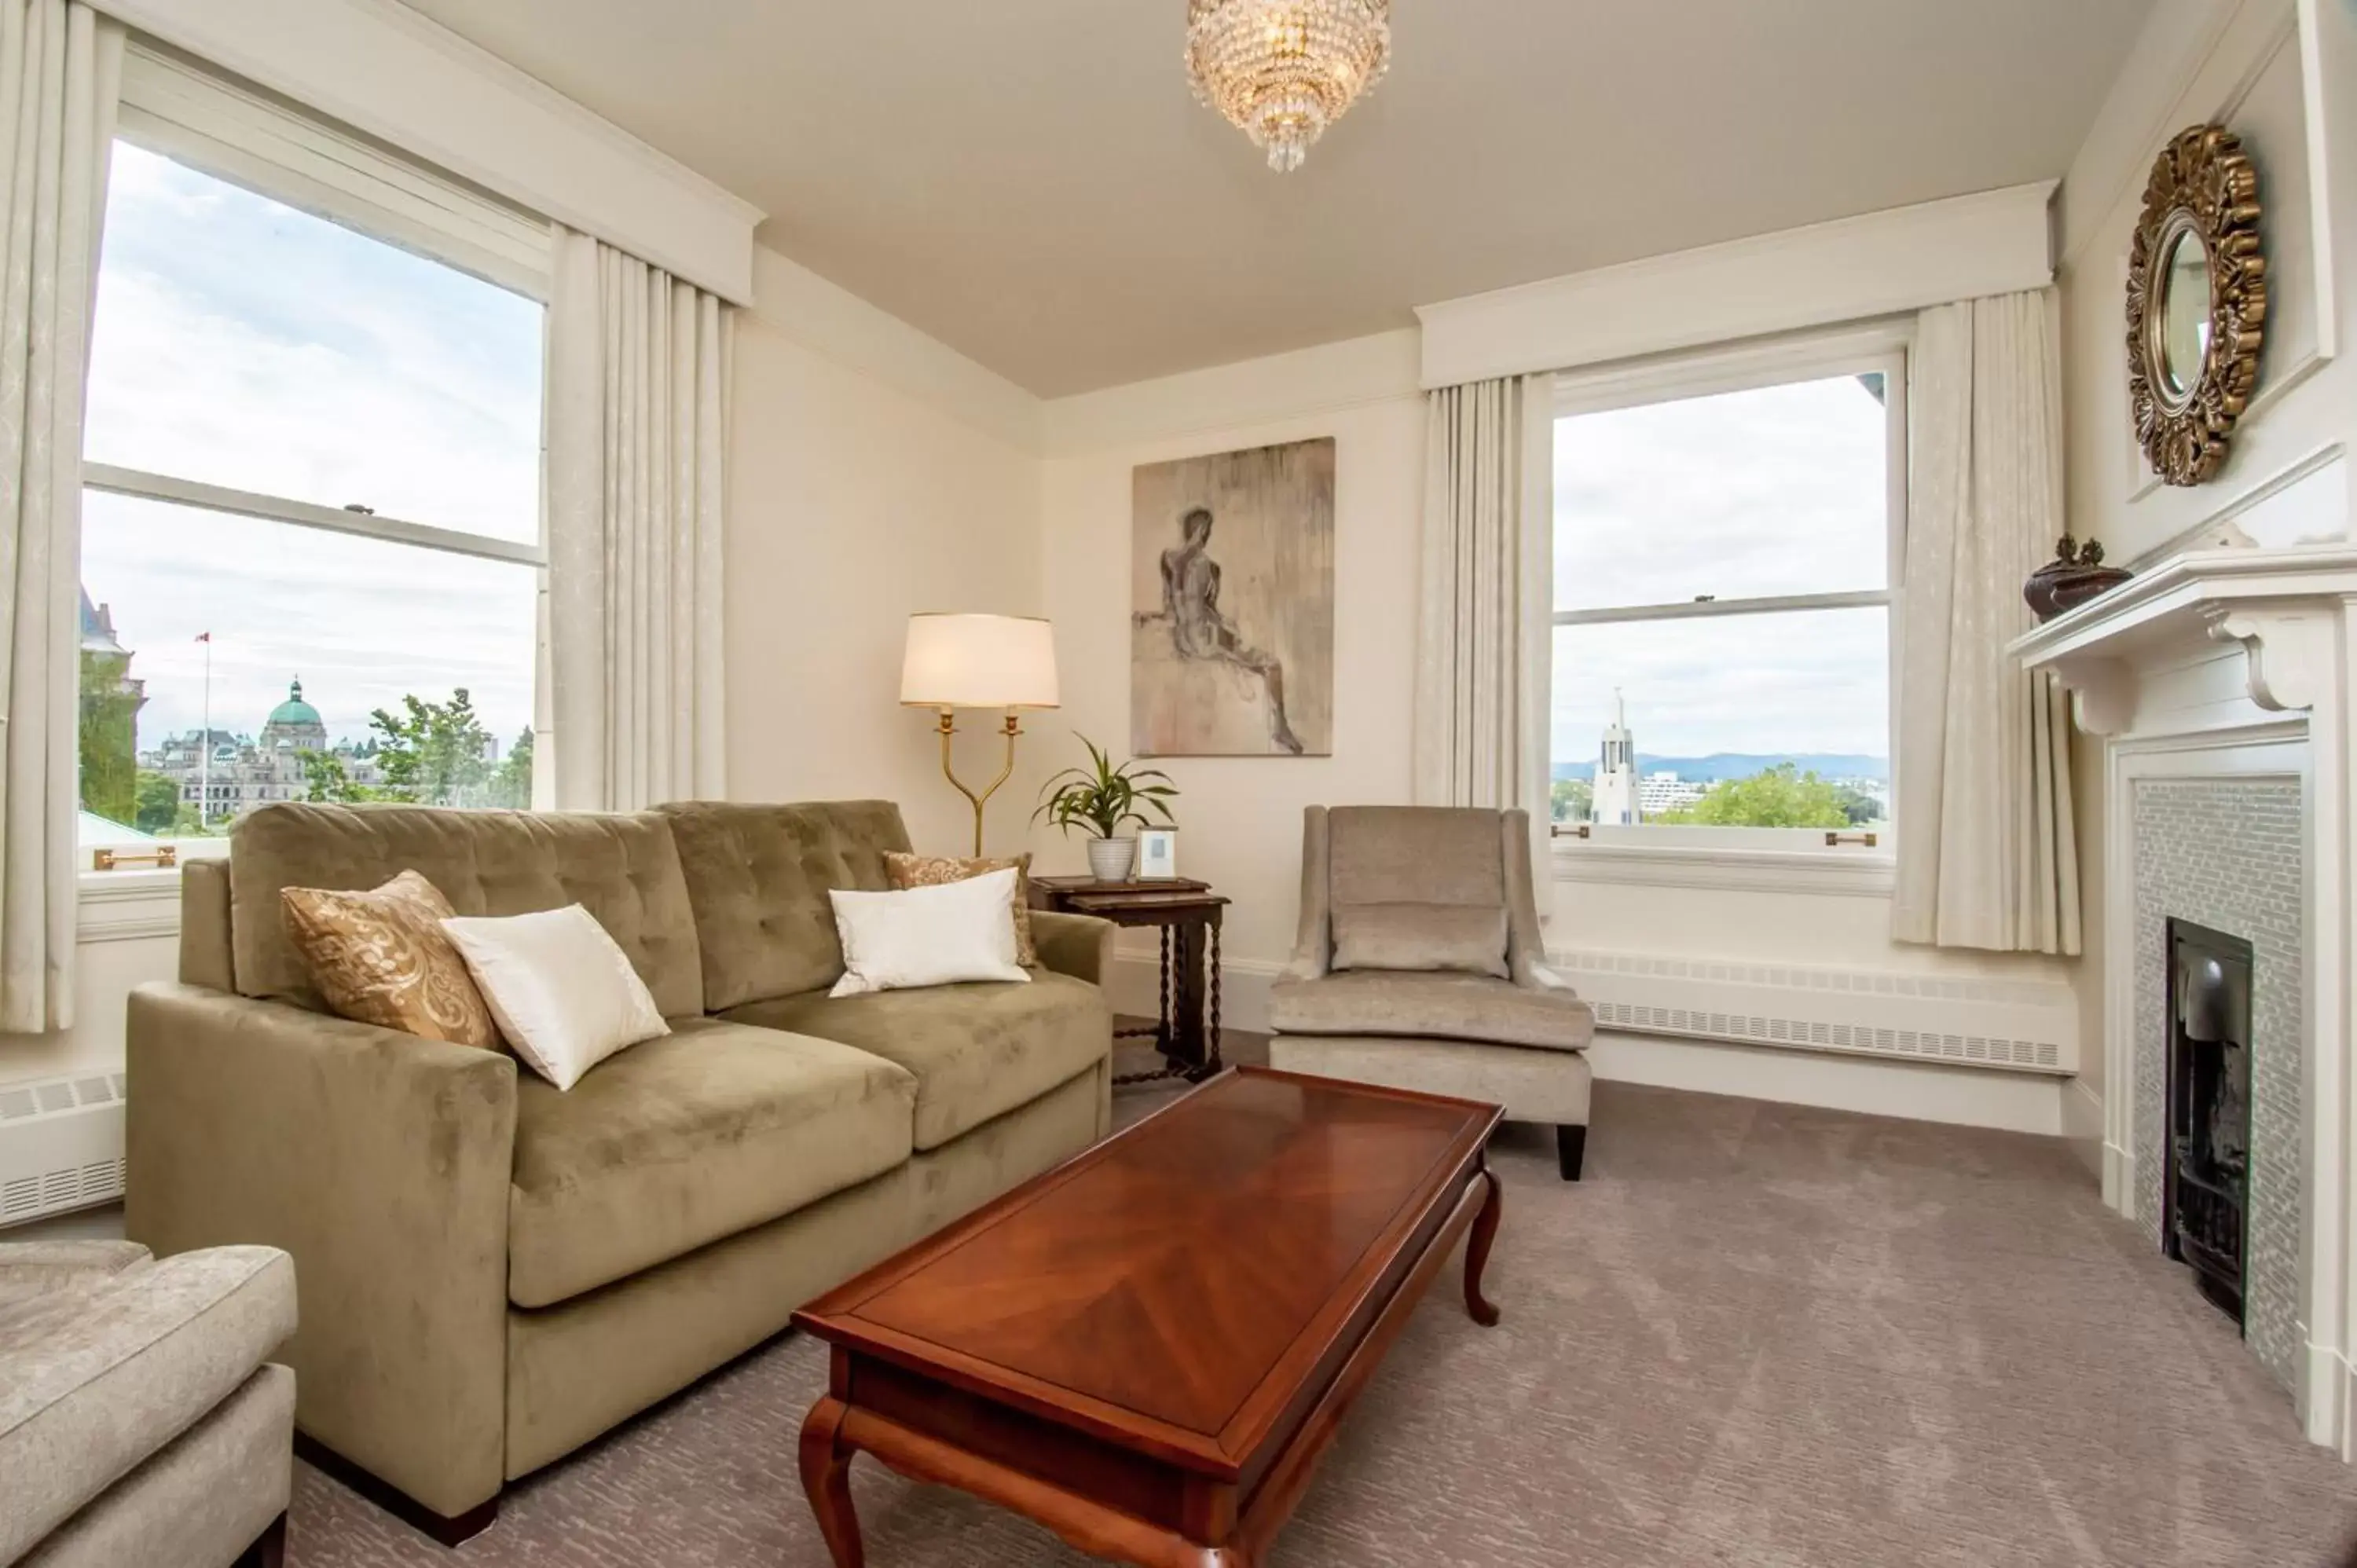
[494, 1272]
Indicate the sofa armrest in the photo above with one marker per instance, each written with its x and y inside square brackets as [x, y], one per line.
[1077, 945]
[381, 1162]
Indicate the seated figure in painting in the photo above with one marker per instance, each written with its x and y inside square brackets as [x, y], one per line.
[1200, 633]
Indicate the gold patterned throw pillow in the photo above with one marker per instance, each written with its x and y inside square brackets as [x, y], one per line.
[381, 957]
[909, 871]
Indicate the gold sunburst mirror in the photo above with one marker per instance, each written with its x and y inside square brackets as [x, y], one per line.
[2197, 305]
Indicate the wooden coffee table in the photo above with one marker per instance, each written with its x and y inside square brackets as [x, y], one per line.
[1147, 1349]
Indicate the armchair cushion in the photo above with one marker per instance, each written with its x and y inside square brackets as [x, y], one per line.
[102, 1370]
[1468, 937]
[1473, 1008]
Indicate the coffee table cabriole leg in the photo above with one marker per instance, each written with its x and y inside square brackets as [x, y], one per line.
[1477, 1250]
[826, 1478]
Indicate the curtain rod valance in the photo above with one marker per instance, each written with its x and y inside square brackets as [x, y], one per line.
[1905, 259]
[384, 70]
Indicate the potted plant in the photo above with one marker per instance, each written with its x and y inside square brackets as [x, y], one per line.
[1105, 798]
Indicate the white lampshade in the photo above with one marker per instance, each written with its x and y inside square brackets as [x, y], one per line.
[979, 661]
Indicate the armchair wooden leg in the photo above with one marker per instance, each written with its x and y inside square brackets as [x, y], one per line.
[1570, 1147]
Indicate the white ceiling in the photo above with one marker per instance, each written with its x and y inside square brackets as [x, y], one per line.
[1032, 182]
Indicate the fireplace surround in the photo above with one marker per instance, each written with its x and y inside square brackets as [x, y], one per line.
[2223, 685]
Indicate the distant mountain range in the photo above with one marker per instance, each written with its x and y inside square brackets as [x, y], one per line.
[1721, 765]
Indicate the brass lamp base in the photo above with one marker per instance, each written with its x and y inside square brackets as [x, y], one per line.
[949, 727]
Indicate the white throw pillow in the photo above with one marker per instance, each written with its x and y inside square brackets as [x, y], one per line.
[565, 995]
[928, 935]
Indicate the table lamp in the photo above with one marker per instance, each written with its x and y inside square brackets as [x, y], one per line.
[979, 661]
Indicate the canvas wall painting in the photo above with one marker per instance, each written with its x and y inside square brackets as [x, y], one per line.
[1232, 599]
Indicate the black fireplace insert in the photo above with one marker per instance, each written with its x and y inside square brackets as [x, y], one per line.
[2205, 1193]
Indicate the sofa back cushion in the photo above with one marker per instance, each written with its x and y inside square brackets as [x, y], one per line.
[1417, 887]
[758, 877]
[623, 868]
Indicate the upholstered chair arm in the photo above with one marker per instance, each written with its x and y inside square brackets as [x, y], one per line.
[381, 1162]
[1313, 944]
[1526, 955]
[1077, 945]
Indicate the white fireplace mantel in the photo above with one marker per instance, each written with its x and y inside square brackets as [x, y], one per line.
[2218, 663]
[2283, 605]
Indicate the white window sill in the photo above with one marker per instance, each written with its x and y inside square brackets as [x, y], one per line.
[1853, 872]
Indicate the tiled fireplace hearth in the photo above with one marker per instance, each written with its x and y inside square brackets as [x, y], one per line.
[2223, 857]
[2222, 682]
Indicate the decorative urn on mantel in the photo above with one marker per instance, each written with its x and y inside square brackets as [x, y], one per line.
[2076, 575]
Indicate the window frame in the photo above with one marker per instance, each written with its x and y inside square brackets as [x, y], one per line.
[177, 109]
[1679, 854]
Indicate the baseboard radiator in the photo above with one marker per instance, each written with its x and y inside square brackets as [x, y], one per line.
[60, 1145]
[2013, 1024]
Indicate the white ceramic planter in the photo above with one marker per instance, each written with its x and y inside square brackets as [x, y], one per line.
[1112, 860]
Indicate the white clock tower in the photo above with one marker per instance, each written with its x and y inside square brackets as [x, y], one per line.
[1615, 797]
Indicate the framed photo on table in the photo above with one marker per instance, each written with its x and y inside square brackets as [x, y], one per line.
[1158, 854]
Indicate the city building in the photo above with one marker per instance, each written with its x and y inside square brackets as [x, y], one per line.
[1666, 791]
[224, 775]
[1616, 798]
[111, 701]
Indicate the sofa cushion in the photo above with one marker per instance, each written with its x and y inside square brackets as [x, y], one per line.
[1431, 1005]
[978, 1051]
[757, 877]
[98, 1374]
[1470, 938]
[623, 868]
[683, 1140]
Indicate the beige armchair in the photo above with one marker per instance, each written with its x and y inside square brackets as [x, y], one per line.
[1420, 966]
[141, 1421]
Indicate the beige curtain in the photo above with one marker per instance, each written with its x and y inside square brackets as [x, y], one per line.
[1483, 635]
[1988, 850]
[61, 70]
[638, 418]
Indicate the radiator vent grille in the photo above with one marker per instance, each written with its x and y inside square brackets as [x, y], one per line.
[1966, 1021]
[1876, 1039]
[61, 1145]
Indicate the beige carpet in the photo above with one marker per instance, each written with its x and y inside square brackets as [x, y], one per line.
[1755, 1334]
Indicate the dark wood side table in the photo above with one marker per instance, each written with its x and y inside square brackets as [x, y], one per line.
[1187, 915]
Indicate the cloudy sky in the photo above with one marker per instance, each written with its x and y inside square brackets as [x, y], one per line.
[241, 343]
[1745, 495]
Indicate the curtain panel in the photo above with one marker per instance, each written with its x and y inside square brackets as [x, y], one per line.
[1987, 854]
[637, 419]
[1484, 629]
[61, 75]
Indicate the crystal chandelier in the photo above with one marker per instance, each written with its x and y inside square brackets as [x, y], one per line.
[1283, 70]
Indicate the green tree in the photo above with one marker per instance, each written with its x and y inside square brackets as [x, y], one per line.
[511, 780]
[1861, 808]
[325, 779]
[1779, 797]
[432, 753]
[1570, 799]
[108, 743]
[158, 809]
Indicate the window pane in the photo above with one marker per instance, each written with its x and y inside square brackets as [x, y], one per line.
[1703, 704]
[239, 342]
[362, 624]
[1744, 495]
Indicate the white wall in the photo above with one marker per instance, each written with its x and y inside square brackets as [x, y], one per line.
[2283, 75]
[873, 473]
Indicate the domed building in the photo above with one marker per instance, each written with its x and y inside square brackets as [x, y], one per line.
[294, 724]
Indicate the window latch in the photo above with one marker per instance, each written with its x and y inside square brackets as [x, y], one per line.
[1567, 830]
[363, 510]
[162, 859]
[1835, 840]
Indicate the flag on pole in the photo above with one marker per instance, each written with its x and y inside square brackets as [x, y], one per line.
[204, 637]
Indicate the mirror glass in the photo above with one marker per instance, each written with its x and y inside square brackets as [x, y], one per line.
[2184, 312]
